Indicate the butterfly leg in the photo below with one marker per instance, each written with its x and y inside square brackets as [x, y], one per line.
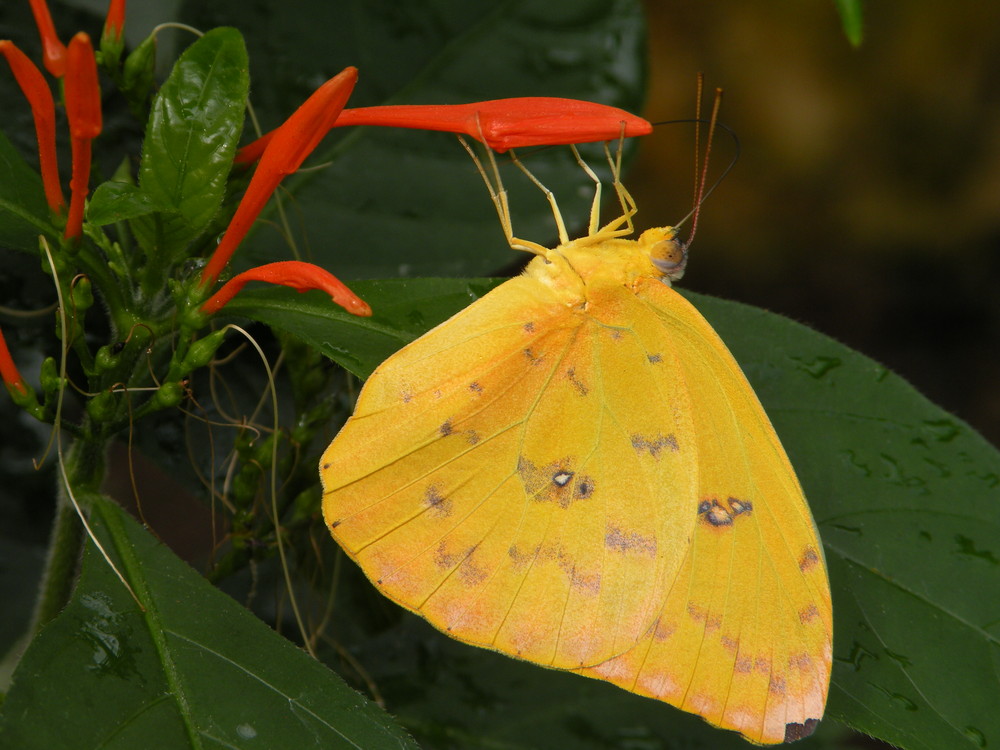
[595, 207]
[549, 195]
[498, 194]
[613, 228]
[624, 197]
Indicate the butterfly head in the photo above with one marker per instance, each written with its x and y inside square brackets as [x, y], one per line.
[666, 251]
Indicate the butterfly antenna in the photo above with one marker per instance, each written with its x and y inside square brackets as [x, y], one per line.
[699, 91]
[701, 177]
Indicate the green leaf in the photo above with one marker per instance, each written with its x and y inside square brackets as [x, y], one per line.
[194, 670]
[851, 19]
[118, 201]
[191, 136]
[905, 497]
[392, 202]
[24, 214]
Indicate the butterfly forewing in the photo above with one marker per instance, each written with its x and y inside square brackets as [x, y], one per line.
[505, 476]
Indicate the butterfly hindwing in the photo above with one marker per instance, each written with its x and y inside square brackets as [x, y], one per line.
[745, 632]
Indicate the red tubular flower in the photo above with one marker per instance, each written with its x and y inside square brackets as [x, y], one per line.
[288, 147]
[53, 51]
[39, 95]
[83, 110]
[8, 370]
[501, 124]
[296, 274]
[114, 23]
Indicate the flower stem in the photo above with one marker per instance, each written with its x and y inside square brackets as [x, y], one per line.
[84, 467]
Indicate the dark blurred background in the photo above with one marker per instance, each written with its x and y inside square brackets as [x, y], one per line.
[866, 203]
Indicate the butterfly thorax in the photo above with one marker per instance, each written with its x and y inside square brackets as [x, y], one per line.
[602, 259]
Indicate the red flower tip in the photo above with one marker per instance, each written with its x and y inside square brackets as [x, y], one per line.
[53, 51]
[83, 110]
[8, 370]
[43, 111]
[293, 273]
[114, 23]
[287, 148]
[503, 124]
[83, 92]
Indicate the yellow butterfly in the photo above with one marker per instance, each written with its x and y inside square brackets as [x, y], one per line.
[574, 471]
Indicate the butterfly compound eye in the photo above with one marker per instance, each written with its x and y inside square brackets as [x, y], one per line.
[667, 253]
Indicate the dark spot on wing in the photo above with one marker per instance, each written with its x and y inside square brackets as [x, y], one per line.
[697, 612]
[802, 662]
[629, 541]
[795, 731]
[436, 503]
[461, 563]
[738, 507]
[471, 437]
[469, 573]
[809, 559]
[655, 358]
[663, 630]
[580, 386]
[521, 559]
[529, 327]
[808, 614]
[326, 466]
[584, 488]
[743, 665]
[555, 483]
[475, 387]
[653, 445]
[777, 685]
[335, 524]
[445, 559]
[588, 582]
[446, 428]
[533, 360]
[714, 513]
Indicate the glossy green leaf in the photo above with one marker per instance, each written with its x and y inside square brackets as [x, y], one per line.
[404, 203]
[852, 21]
[191, 136]
[119, 201]
[194, 670]
[905, 497]
[24, 213]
